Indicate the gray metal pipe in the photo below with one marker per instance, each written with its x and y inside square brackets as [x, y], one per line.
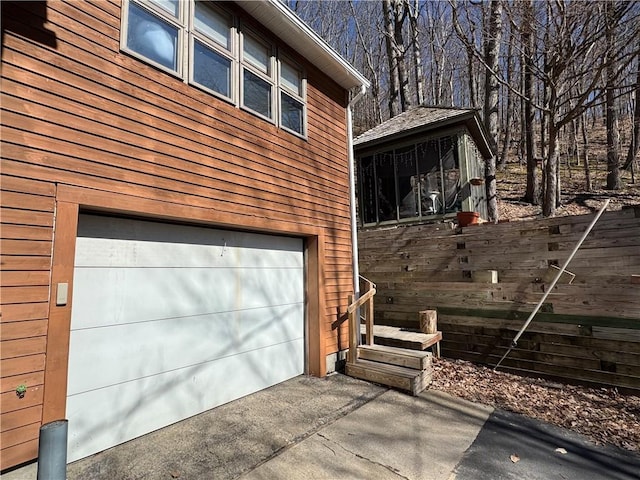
[52, 451]
[514, 342]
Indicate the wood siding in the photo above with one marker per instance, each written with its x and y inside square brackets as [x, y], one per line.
[587, 331]
[78, 113]
[26, 234]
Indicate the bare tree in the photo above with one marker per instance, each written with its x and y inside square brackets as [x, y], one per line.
[577, 39]
[371, 69]
[394, 14]
[613, 134]
[414, 16]
[508, 115]
[532, 192]
[588, 185]
[634, 145]
[490, 111]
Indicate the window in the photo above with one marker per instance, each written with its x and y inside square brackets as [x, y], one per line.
[410, 182]
[201, 42]
[257, 82]
[212, 47]
[154, 35]
[291, 98]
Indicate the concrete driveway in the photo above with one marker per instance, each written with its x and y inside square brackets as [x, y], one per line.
[342, 428]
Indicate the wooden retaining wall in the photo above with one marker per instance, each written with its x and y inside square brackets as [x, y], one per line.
[587, 331]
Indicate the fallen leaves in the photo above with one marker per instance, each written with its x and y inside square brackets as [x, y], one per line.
[603, 414]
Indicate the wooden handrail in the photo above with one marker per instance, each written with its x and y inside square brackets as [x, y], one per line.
[361, 301]
[366, 301]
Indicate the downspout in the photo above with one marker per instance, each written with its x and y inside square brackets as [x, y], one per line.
[352, 193]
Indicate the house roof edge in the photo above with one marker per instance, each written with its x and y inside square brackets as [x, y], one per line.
[282, 21]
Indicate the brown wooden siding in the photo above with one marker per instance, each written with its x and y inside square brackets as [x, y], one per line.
[77, 112]
[587, 331]
[26, 216]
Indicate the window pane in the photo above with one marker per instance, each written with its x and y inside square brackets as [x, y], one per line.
[213, 24]
[256, 53]
[257, 94]
[291, 114]
[386, 186]
[408, 183]
[170, 6]
[148, 35]
[367, 190]
[290, 78]
[211, 70]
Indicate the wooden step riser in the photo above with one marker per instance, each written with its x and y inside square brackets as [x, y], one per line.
[400, 359]
[412, 384]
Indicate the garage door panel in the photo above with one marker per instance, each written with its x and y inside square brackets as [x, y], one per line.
[150, 244]
[175, 343]
[160, 400]
[136, 295]
[135, 253]
[170, 320]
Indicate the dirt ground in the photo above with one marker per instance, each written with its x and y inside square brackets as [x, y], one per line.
[575, 200]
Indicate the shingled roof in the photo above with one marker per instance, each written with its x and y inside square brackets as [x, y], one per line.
[423, 119]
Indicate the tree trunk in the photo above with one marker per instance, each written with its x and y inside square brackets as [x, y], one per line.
[492, 89]
[472, 79]
[585, 154]
[532, 194]
[391, 58]
[549, 203]
[509, 114]
[414, 15]
[634, 146]
[400, 54]
[613, 134]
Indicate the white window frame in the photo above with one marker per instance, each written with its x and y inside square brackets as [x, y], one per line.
[188, 34]
[268, 77]
[230, 53]
[299, 97]
[155, 9]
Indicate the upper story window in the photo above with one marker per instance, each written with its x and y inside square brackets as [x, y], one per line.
[292, 94]
[154, 33]
[257, 75]
[201, 43]
[212, 50]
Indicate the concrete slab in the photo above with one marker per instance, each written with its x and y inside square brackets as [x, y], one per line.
[229, 440]
[395, 436]
[340, 427]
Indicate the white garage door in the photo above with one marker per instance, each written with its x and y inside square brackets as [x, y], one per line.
[170, 320]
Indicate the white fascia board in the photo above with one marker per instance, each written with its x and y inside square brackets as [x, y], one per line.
[278, 18]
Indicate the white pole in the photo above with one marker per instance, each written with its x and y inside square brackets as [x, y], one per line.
[352, 201]
[514, 342]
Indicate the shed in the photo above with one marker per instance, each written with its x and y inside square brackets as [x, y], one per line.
[422, 165]
[176, 228]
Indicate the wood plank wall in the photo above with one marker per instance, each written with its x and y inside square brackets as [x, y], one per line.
[587, 331]
[76, 111]
[26, 233]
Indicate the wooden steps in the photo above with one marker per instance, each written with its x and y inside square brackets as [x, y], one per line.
[408, 370]
[401, 357]
[403, 338]
[403, 378]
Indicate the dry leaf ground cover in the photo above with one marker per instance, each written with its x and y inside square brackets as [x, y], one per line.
[602, 414]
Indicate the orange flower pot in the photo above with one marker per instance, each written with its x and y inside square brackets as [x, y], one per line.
[468, 218]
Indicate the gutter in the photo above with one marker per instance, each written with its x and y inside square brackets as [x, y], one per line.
[352, 193]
